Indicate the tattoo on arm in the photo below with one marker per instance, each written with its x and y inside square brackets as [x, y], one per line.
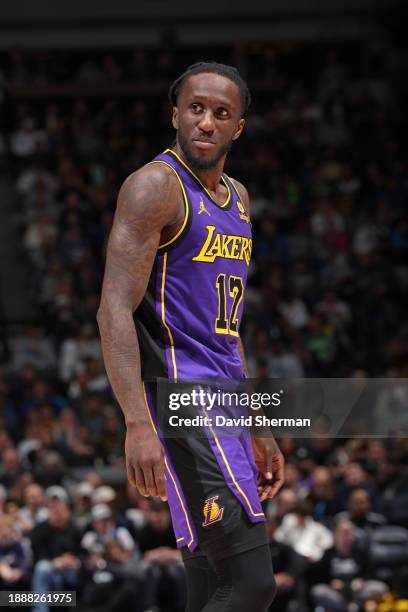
[148, 201]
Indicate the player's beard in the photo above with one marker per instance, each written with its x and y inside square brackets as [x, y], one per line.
[196, 163]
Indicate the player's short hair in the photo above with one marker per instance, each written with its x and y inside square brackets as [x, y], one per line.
[224, 70]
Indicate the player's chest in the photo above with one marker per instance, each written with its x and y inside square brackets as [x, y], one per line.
[219, 233]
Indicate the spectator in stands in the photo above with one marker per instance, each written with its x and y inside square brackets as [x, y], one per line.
[27, 139]
[103, 530]
[321, 343]
[294, 310]
[82, 504]
[41, 392]
[75, 350]
[93, 414]
[33, 175]
[136, 514]
[306, 464]
[284, 362]
[56, 548]
[14, 556]
[107, 495]
[3, 498]
[104, 494]
[118, 581]
[5, 440]
[341, 572]
[322, 494]
[354, 477]
[359, 512]
[306, 536]
[321, 447]
[38, 234]
[33, 348]
[67, 429]
[389, 412]
[112, 438]
[289, 570]
[293, 479]
[91, 379]
[335, 310]
[156, 541]
[51, 468]
[95, 480]
[10, 468]
[284, 504]
[74, 440]
[34, 511]
[17, 491]
[8, 417]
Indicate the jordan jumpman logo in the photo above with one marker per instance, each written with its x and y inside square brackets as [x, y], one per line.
[203, 209]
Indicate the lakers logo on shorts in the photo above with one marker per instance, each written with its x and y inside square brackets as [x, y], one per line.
[212, 512]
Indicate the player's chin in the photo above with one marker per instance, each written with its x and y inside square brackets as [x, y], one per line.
[204, 161]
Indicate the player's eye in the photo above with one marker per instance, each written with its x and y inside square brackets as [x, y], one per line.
[222, 112]
[196, 108]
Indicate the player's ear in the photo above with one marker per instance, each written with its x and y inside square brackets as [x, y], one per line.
[238, 133]
[174, 118]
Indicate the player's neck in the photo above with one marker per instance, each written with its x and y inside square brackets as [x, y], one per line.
[211, 179]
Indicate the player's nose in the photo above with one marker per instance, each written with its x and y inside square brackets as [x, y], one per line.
[207, 123]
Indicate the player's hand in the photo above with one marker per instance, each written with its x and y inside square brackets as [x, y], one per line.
[145, 461]
[270, 463]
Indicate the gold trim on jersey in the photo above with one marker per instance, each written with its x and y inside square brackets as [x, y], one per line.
[227, 465]
[163, 310]
[236, 188]
[170, 473]
[182, 505]
[186, 204]
[203, 186]
[243, 213]
[148, 408]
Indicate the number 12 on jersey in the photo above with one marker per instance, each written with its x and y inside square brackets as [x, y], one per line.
[235, 288]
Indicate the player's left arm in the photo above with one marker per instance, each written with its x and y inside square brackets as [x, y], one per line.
[268, 456]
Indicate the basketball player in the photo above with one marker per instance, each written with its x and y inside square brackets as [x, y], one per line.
[171, 306]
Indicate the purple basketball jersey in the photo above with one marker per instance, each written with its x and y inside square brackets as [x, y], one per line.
[188, 326]
[188, 323]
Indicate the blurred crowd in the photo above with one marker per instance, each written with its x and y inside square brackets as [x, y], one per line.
[74, 538]
[324, 159]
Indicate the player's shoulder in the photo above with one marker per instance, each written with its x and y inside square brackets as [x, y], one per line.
[152, 185]
[153, 175]
[242, 192]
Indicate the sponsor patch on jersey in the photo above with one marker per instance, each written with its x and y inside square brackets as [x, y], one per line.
[242, 212]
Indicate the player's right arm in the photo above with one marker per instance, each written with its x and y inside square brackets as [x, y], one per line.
[148, 205]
